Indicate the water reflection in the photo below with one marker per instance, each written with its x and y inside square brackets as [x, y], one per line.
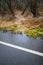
[22, 40]
[10, 56]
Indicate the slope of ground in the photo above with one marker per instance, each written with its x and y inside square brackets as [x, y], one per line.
[30, 26]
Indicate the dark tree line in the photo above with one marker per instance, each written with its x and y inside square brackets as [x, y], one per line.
[33, 7]
[6, 5]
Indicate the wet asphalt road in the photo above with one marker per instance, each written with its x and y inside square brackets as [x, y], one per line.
[11, 56]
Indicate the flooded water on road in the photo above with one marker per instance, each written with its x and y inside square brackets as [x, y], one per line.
[10, 56]
[22, 40]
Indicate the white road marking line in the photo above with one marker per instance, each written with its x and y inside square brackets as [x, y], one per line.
[21, 48]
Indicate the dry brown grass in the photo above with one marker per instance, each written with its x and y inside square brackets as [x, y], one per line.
[32, 22]
[28, 22]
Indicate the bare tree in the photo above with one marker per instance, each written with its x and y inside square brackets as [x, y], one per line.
[2, 8]
[8, 2]
[33, 7]
[25, 8]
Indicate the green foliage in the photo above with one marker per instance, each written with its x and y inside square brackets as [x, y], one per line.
[4, 29]
[37, 32]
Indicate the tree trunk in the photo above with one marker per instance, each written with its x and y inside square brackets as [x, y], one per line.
[33, 7]
[25, 8]
[9, 5]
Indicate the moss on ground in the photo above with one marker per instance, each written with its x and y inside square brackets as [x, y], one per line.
[35, 33]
